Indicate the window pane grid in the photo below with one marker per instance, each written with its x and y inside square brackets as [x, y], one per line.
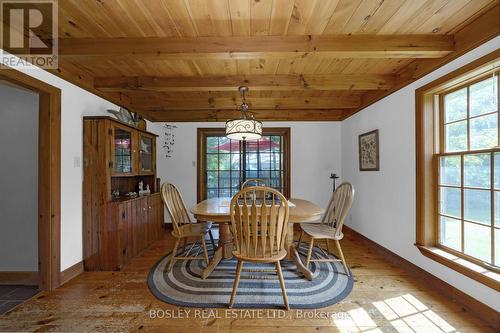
[469, 171]
[228, 163]
[471, 117]
[464, 218]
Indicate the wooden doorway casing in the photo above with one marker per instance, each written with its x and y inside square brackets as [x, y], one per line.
[49, 176]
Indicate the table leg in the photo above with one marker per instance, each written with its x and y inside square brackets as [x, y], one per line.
[224, 249]
[225, 240]
[213, 263]
[293, 254]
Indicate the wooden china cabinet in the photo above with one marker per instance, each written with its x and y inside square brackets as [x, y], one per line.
[117, 227]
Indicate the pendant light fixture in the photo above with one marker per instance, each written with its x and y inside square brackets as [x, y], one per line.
[246, 127]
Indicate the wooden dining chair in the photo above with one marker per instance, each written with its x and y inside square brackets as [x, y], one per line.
[331, 224]
[253, 182]
[259, 229]
[184, 228]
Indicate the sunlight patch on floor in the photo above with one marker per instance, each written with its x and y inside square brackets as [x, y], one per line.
[404, 313]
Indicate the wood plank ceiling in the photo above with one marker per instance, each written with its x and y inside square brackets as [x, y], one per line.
[182, 60]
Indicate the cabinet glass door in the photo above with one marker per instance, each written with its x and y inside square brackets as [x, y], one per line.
[123, 151]
[146, 154]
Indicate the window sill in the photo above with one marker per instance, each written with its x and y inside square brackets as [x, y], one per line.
[463, 266]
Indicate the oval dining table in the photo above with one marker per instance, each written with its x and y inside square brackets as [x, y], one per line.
[216, 210]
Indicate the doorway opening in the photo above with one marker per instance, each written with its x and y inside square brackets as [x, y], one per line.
[47, 191]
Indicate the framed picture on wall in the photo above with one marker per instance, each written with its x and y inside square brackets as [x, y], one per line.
[369, 151]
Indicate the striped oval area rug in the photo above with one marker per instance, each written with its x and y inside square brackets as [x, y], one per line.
[184, 286]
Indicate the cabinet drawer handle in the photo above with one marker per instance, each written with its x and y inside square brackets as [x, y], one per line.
[149, 207]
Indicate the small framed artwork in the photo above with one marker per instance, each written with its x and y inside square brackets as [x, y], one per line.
[369, 151]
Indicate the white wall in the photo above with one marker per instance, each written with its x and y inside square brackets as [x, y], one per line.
[384, 206]
[76, 103]
[315, 154]
[19, 179]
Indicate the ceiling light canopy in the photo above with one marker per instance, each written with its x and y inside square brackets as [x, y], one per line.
[246, 127]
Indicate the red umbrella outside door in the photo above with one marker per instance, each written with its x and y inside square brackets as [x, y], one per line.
[254, 145]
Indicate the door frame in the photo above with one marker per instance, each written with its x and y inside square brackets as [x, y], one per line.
[49, 176]
[203, 133]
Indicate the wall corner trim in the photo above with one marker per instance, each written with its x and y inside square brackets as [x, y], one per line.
[71, 272]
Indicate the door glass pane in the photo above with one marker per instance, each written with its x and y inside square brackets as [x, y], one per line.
[212, 162]
[146, 154]
[212, 143]
[456, 136]
[477, 170]
[235, 180]
[455, 105]
[265, 161]
[276, 143]
[477, 241]
[211, 193]
[484, 97]
[484, 132]
[275, 161]
[224, 179]
[265, 175]
[477, 206]
[224, 192]
[450, 232]
[224, 161]
[123, 151]
[235, 161]
[451, 201]
[226, 145]
[212, 179]
[450, 173]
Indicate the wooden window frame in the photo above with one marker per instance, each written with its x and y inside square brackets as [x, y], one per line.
[203, 133]
[429, 144]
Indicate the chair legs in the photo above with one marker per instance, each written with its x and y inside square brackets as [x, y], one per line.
[187, 256]
[174, 252]
[205, 252]
[239, 268]
[236, 282]
[184, 242]
[282, 283]
[337, 243]
[309, 252]
[300, 240]
[212, 240]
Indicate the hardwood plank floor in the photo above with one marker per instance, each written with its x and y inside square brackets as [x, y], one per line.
[385, 298]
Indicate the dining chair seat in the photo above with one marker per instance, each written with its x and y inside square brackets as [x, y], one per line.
[253, 256]
[320, 230]
[193, 229]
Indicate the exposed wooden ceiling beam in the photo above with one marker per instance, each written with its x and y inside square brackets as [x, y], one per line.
[479, 31]
[223, 115]
[282, 47]
[255, 82]
[155, 102]
[79, 77]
